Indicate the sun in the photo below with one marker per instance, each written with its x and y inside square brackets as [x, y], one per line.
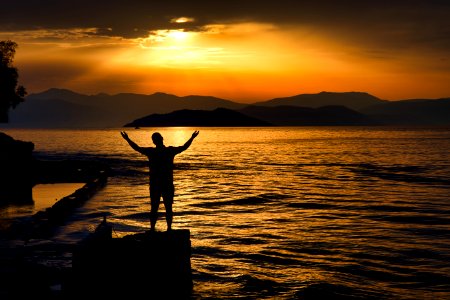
[178, 35]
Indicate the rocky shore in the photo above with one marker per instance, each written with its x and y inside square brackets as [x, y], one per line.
[31, 264]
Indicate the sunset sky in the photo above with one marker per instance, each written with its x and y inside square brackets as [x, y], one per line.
[244, 50]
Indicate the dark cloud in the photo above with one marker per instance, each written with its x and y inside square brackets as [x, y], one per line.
[386, 23]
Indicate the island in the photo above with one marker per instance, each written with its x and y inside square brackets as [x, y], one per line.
[219, 117]
[283, 115]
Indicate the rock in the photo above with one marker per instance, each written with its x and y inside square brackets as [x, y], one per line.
[151, 264]
[17, 165]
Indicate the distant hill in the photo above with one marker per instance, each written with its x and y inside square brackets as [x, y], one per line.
[412, 112]
[353, 100]
[64, 108]
[219, 117]
[304, 116]
[55, 113]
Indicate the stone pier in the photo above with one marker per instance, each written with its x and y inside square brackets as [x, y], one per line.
[149, 265]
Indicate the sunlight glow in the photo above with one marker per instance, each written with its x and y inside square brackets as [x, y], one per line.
[165, 37]
[178, 34]
[220, 46]
[245, 61]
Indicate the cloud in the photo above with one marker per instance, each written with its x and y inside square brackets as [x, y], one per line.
[391, 24]
[182, 20]
[348, 37]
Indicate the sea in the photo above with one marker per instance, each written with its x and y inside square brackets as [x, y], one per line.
[283, 212]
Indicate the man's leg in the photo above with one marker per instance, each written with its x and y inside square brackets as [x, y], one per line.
[169, 213]
[168, 201]
[155, 197]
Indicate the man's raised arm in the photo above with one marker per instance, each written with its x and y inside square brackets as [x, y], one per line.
[189, 142]
[131, 143]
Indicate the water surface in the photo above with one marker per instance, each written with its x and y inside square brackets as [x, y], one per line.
[285, 213]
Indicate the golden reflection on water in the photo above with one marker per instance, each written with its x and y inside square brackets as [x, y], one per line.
[44, 196]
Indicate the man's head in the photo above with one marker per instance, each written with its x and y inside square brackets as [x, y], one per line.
[157, 139]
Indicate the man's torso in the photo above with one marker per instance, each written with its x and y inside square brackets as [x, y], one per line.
[161, 165]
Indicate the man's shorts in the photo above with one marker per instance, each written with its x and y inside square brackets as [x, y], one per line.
[166, 191]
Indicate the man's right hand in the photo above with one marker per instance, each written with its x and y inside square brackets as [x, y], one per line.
[194, 135]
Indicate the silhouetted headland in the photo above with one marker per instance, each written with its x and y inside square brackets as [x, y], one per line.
[219, 117]
[307, 116]
[259, 116]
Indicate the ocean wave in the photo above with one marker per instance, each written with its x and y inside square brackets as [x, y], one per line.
[310, 205]
[403, 173]
[326, 290]
[413, 219]
[243, 241]
[264, 198]
[266, 287]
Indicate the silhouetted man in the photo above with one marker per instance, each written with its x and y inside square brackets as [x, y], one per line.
[161, 173]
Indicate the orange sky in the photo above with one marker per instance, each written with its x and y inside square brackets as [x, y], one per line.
[244, 61]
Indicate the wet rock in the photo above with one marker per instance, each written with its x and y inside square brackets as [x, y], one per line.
[154, 264]
[16, 163]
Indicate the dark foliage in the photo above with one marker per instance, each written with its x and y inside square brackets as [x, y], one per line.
[10, 93]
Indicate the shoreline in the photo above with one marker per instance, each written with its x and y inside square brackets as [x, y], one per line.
[43, 223]
[30, 262]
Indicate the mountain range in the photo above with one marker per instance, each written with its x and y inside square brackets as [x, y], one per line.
[57, 108]
[353, 100]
